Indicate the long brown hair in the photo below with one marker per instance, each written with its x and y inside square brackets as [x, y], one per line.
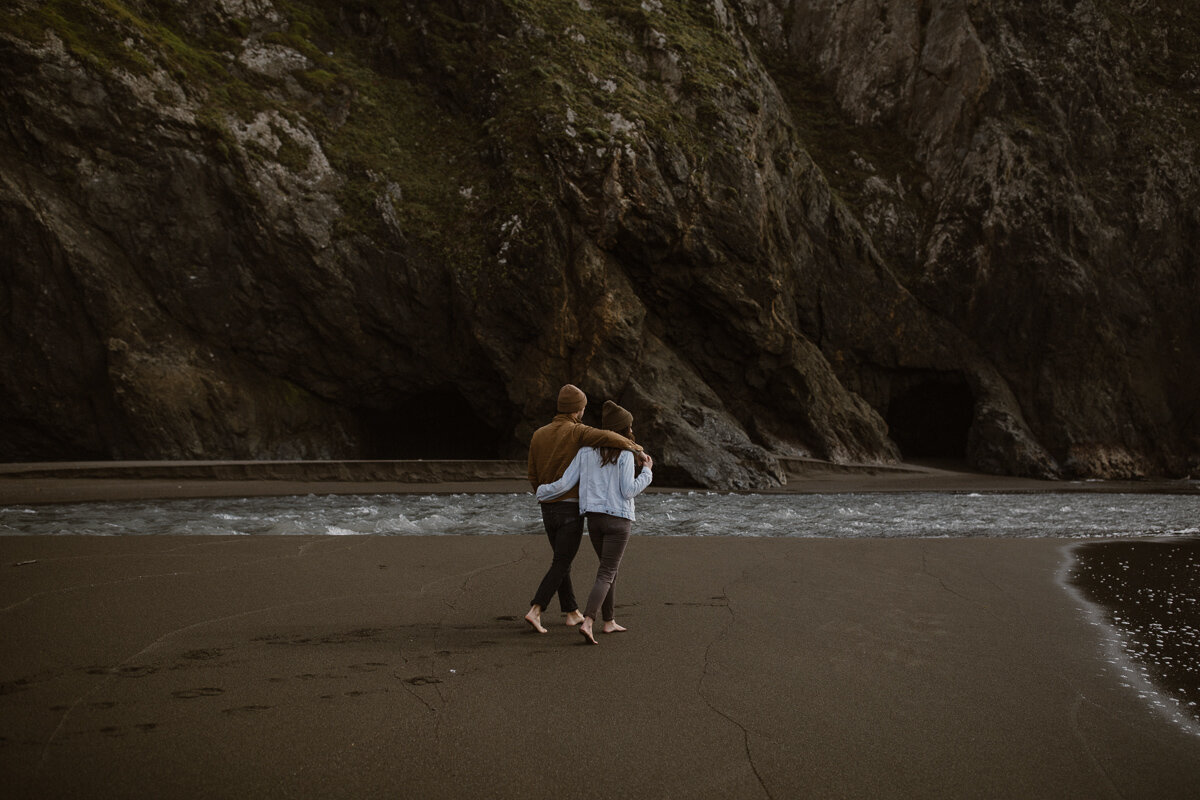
[609, 455]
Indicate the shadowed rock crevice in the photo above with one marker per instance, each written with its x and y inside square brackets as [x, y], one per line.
[929, 415]
[438, 424]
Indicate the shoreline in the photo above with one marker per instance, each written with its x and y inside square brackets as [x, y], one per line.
[78, 482]
[372, 666]
[351, 666]
[1142, 592]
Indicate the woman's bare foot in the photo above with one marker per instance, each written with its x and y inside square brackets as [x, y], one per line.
[585, 628]
[611, 626]
[534, 618]
[574, 618]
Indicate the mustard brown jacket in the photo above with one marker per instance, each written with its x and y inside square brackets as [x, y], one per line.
[553, 446]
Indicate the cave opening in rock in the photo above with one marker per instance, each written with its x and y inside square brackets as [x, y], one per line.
[929, 415]
[437, 425]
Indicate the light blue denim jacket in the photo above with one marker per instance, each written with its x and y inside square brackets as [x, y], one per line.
[608, 490]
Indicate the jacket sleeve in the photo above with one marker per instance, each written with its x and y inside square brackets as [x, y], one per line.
[552, 491]
[631, 487]
[598, 437]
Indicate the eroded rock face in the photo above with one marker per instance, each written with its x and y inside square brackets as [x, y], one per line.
[1053, 139]
[855, 230]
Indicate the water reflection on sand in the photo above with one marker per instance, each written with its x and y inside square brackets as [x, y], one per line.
[1147, 595]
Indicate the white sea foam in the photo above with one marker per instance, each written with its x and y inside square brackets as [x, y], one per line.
[658, 514]
[1138, 647]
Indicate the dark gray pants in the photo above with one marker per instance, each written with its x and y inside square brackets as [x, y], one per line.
[609, 536]
[564, 528]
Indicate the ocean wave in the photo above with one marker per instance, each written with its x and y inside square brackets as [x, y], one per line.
[658, 514]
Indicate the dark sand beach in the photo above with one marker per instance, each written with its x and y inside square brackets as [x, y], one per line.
[368, 666]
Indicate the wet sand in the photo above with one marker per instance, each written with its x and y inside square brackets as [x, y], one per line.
[1150, 591]
[398, 666]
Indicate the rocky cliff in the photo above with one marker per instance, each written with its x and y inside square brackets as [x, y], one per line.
[857, 230]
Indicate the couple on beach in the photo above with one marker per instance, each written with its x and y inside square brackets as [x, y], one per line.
[576, 470]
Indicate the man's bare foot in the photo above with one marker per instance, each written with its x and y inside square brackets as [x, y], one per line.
[585, 628]
[534, 618]
[574, 618]
[611, 626]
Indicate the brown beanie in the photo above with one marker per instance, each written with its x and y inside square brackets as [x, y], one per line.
[571, 399]
[615, 418]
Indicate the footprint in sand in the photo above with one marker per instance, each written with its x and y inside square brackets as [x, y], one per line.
[365, 633]
[136, 671]
[202, 655]
[206, 691]
[369, 666]
[127, 671]
[245, 709]
[422, 680]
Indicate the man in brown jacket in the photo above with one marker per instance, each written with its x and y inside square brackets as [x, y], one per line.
[550, 452]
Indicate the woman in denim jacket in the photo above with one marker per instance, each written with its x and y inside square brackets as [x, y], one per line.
[607, 486]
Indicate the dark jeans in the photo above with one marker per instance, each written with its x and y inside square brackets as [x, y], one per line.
[609, 536]
[564, 528]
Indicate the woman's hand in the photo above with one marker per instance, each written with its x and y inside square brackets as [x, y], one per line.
[644, 460]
